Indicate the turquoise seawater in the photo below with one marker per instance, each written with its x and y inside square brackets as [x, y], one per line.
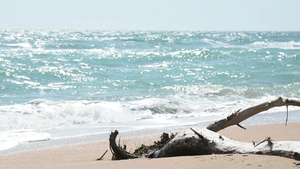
[52, 79]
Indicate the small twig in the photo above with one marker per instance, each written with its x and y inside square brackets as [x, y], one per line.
[287, 115]
[102, 155]
[260, 143]
[241, 126]
[268, 139]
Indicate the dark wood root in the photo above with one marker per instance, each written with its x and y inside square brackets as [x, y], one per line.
[184, 145]
[118, 152]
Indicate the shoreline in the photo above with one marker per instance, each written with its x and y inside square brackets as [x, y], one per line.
[259, 119]
[84, 155]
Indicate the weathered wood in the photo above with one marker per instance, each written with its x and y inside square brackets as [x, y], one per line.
[189, 143]
[239, 116]
[207, 141]
[118, 152]
[183, 145]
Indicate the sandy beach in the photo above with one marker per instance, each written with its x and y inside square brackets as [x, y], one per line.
[85, 155]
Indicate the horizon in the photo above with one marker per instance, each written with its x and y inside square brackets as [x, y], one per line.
[120, 30]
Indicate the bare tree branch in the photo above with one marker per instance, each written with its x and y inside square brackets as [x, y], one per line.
[239, 116]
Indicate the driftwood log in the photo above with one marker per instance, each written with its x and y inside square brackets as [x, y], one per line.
[204, 141]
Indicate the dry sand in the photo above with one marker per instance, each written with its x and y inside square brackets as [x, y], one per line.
[84, 155]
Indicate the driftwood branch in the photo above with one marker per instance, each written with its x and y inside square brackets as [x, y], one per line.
[239, 116]
[206, 141]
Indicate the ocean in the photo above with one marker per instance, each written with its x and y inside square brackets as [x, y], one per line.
[64, 84]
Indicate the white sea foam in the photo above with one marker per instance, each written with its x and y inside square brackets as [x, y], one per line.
[23, 45]
[279, 45]
[215, 42]
[39, 114]
[190, 105]
[195, 100]
[10, 139]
